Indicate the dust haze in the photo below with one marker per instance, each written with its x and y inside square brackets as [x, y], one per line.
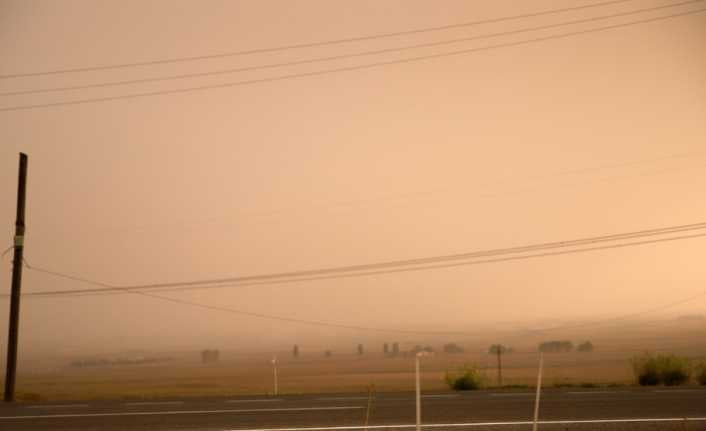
[569, 138]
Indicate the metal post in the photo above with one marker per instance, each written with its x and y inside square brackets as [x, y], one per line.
[419, 393]
[371, 388]
[539, 389]
[17, 261]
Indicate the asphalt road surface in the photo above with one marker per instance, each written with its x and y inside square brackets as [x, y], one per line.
[629, 408]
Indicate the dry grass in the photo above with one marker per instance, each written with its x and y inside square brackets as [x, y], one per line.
[239, 374]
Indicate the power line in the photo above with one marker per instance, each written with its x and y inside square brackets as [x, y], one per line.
[620, 318]
[342, 69]
[376, 329]
[255, 314]
[6, 251]
[389, 267]
[313, 44]
[299, 321]
[441, 266]
[386, 330]
[343, 56]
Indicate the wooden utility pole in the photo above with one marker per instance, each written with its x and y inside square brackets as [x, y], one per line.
[17, 262]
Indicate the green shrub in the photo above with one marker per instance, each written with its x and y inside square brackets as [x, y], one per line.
[645, 369]
[674, 371]
[468, 378]
[667, 369]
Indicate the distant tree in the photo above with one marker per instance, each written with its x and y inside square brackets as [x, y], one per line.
[295, 351]
[328, 353]
[418, 348]
[585, 347]
[360, 350]
[452, 348]
[386, 349]
[495, 348]
[209, 356]
[395, 349]
[556, 346]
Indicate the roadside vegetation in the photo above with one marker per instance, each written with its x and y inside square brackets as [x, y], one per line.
[669, 370]
[468, 378]
[701, 373]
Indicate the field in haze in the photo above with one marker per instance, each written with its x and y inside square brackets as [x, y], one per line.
[250, 373]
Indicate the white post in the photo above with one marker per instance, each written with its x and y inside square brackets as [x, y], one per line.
[539, 388]
[274, 365]
[419, 395]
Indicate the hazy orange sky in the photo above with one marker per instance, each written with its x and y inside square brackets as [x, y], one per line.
[463, 153]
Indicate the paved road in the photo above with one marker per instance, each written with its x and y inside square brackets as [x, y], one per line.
[307, 411]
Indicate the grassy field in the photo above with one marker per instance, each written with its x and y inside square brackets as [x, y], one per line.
[250, 374]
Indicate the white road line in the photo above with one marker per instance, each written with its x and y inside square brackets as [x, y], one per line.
[57, 406]
[521, 394]
[477, 424]
[411, 399]
[155, 403]
[341, 398]
[178, 412]
[678, 390]
[264, 400]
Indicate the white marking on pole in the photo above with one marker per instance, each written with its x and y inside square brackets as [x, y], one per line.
[57, 406]
[181, 412]
[154, 403]
[477, 424]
